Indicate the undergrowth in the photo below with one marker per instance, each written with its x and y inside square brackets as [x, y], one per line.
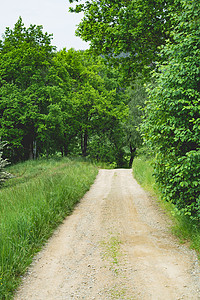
[32, 204]
[183, 227]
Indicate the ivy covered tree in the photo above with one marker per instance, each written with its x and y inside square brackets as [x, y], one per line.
[172, 123]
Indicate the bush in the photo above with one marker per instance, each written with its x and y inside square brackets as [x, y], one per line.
[172, 122]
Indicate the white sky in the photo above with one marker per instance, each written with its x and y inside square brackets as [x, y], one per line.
[52, 14]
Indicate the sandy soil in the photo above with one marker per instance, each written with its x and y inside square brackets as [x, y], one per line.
[116, 245]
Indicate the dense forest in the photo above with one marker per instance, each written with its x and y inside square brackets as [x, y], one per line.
[143, 64]
[161, 40]
[68, 102]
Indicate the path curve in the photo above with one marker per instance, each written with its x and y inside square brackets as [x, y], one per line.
[116, 245]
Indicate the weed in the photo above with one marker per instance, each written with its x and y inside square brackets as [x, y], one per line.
[111, 251]
[118, 292]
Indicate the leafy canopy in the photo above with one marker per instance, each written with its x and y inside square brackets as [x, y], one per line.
[127, 32]
[25, 58]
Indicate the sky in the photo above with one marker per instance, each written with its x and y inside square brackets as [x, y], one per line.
[53, 15]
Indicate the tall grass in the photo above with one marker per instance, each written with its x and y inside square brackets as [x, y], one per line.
[183, 227]
[143, 173]
[31, 206]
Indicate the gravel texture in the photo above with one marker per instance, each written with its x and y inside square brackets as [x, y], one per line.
[116, 245]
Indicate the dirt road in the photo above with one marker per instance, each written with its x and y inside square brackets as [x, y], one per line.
[116, 245]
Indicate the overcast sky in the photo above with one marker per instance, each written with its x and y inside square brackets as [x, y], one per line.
[52, 14]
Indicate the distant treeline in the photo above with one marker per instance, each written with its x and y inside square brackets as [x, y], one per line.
[66, 102]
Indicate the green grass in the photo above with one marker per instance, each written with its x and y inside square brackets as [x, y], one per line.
[183, 227]
[32, 205]
[143, 173]
[187, 231]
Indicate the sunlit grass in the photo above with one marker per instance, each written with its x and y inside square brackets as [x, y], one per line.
[32, 204]
[183, 227]
[143, 173]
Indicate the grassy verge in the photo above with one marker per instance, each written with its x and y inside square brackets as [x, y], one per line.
[142, 171]
[183, 227]
[32, 204]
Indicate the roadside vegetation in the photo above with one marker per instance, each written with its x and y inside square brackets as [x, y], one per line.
[169, 68]
[33, 203]
[88, 104]
[183, 227]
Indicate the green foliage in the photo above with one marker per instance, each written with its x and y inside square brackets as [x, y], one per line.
[25, 55]
[136, 96]
[32, 205]
[127, 32]
[143, 173]
[185, 228]
[60, 102]
[25, 58]
[172, 123]
[94, 105]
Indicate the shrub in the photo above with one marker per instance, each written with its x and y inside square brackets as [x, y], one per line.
[172, 122]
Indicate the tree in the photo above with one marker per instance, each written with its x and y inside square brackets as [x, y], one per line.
[25, 58]
[137, 96]
[57, 102]
[25, 55]
[96, 107]
[93, 104]
[127, 32]
[172, 123]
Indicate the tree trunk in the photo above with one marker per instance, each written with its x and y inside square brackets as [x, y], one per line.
[62, 151]
[30, 150]
[34, 149]
[84, 142]
[65, 150]
[133, 153]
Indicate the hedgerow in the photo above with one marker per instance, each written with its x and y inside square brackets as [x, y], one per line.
[171, 125]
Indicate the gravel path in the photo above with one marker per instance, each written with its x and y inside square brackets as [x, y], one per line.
[116, 245]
